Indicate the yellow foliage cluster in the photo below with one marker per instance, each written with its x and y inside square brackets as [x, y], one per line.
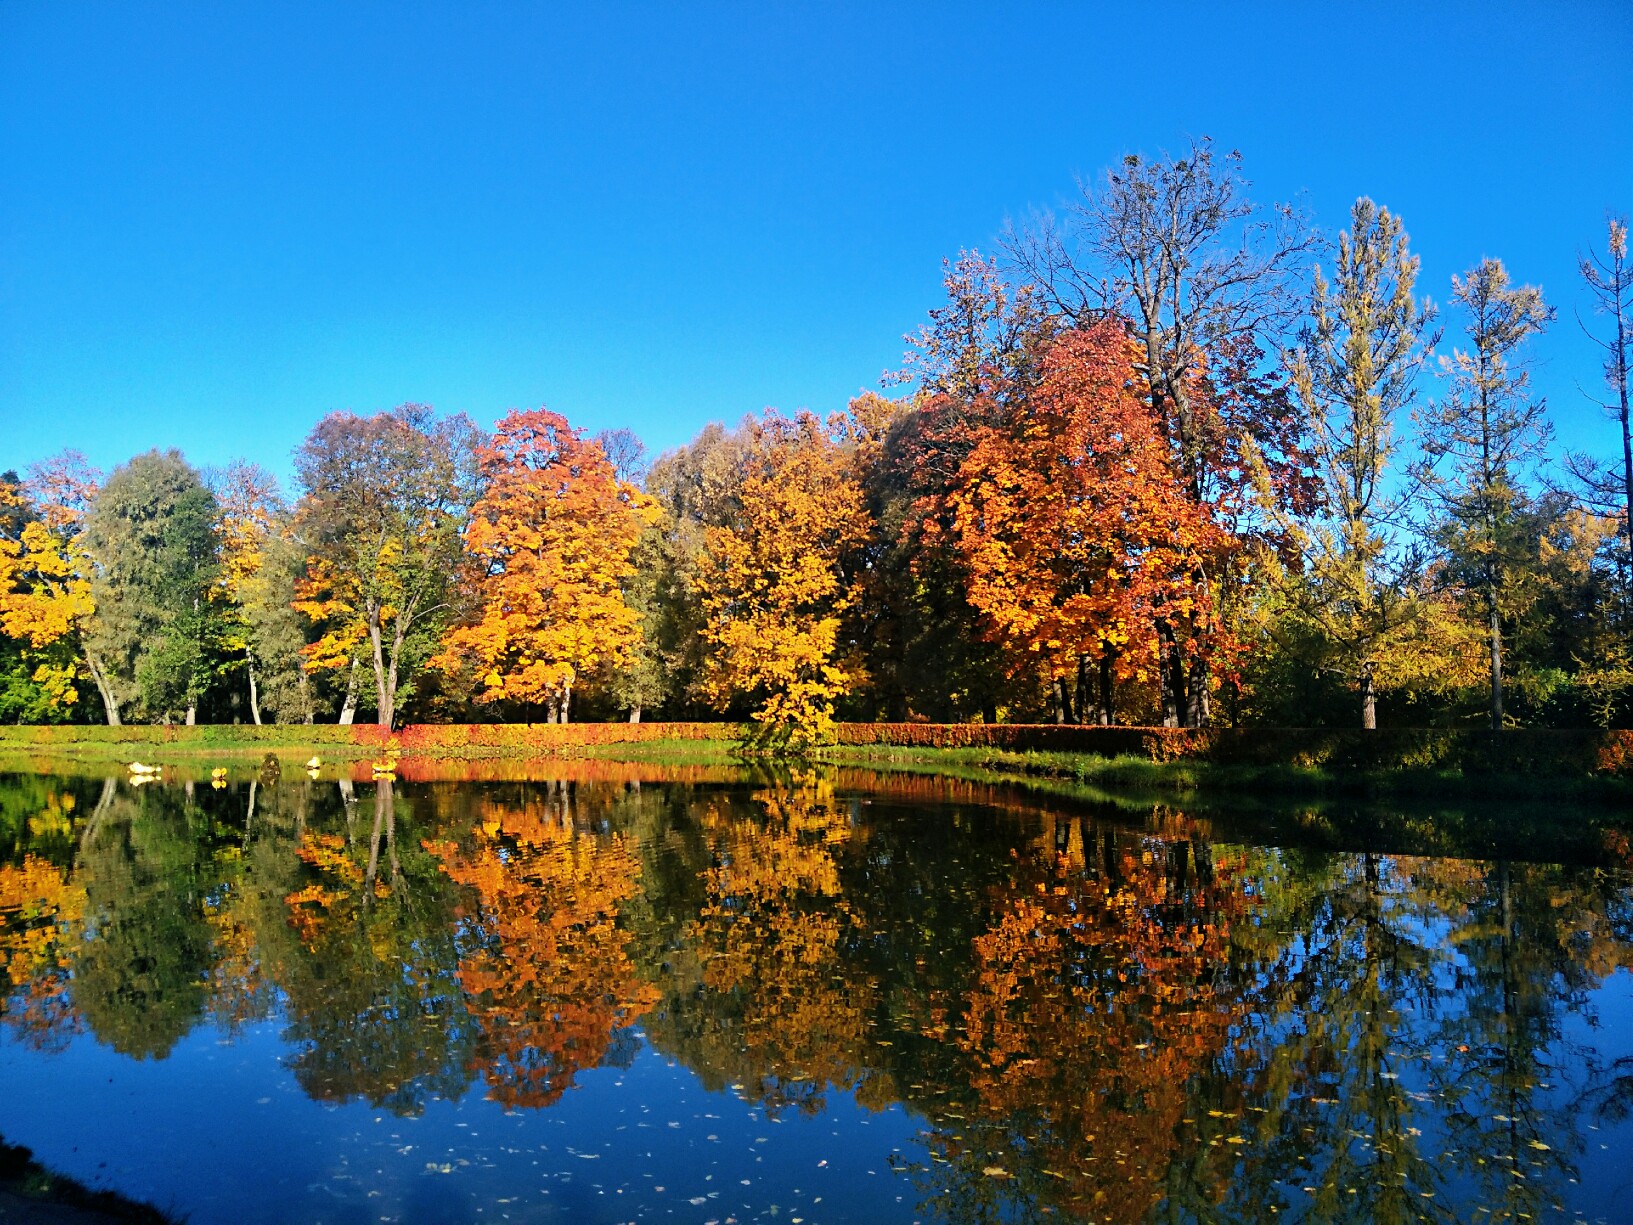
[45, 594]
[42, 914]
[773, 591]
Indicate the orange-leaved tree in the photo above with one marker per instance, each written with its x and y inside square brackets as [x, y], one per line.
[551, 538]
[1071, 522]
[774, 584]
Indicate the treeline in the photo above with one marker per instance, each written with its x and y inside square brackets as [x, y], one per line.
[1172, 458]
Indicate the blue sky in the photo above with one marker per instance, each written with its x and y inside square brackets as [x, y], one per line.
[219, 222]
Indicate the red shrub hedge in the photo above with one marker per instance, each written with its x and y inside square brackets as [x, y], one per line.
[1540, 751]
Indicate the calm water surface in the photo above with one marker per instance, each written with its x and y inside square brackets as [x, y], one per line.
[632, 994]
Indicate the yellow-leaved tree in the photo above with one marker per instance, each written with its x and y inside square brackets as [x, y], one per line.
[45, 589]
[551, 538]
[773, 583]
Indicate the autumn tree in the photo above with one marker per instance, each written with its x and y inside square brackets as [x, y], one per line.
[156, 634]
[551, 538]
[45, 592]
[1073, 526]
[773, 581]
[1354, 371]
[257, 583]
[1476, 441]
[980, 351]
[384, 503]
[1210, 280]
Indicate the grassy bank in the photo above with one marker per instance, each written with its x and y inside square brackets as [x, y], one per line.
[30, 1192]
[1564, 766]
[1127, 774]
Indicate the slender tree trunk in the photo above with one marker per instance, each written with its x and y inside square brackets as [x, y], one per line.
[1496, 668]
[635, 713]
[110, 704]
[254, 693]
[388, 710]
[348, 708]
[1107, 715]
[567, 703]
[1619, 357]
[192, 714]
[382, 806]
[1369, 699]
[382, 694]
[1063, 701]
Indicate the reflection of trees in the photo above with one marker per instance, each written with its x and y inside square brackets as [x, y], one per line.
[367, 966]
[1100, 1004]
[1344, 1004]
[1092, 1019]
[41, 914]
[1533, 941]
[766, 951]
[139, 978]
[548, 979]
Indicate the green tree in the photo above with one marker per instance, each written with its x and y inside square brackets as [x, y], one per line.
[1354, 371]
[385, 500]
[157, 631]
[1477, 439]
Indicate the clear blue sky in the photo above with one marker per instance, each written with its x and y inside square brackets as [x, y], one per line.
[220, 221]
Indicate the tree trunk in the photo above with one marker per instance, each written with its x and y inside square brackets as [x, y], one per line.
[110, 704]
[254, 693]
[1171, 672]
[566, 703]
[382, 696]
[1197, 702]
[1369, 699]
[1619, 366]
[635, 713]
[1107, 716]
[1496, 671]
[192, 714]
[1063, 700]
[348, 708]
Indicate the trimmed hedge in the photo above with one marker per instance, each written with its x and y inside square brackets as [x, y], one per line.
[1527, 751]
[416, 737]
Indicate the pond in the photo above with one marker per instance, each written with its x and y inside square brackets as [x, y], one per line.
[600, 992]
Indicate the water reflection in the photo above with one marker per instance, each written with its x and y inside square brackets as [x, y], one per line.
[1107, 1018]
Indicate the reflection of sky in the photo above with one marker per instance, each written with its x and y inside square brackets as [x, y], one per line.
[220, 1131]
[1605, 1163]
